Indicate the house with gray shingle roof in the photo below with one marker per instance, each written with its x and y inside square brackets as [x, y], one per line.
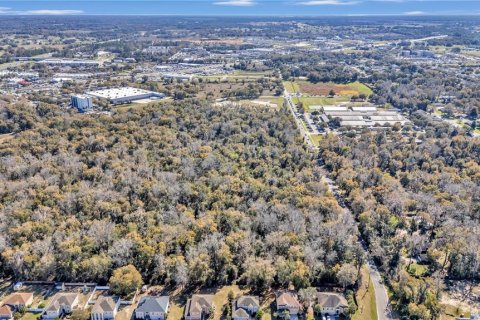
[245, 307]
[331, 303]
[105, 308]
[61, 304]
[199, 307]
[152, 308]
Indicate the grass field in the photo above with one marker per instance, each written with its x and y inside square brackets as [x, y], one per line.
[175, 312]
[319, 101]
[31, 316]
[276, 100]
[323, 89]
[367, 307]
[316, 138]
[361, 88]
[291, 86]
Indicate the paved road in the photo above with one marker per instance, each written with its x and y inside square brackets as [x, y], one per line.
[381, 296]
[299, 123]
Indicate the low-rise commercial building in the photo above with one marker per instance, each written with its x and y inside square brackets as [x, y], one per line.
[125, 95]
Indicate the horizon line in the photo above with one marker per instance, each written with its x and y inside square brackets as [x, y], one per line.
[353, 15]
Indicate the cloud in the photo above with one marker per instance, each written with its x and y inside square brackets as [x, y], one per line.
[414, 13]
[236, 3]
[44, 12]
[328, 3]
[49, 12]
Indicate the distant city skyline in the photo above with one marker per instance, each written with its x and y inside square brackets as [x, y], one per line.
[242, 7]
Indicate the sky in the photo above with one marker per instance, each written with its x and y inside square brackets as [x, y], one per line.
[241, 7]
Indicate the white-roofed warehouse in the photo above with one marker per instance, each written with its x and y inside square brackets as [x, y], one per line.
[124, 95]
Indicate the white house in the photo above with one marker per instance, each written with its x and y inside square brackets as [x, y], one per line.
[245, 307]
[105, 308]
[288, 301]
[61, 304]
[331, 303]
[198, 307]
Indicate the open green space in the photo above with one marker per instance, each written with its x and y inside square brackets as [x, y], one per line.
[360, 87]
[291, 86]
[31, 316]
[276, 100]
[175, 312]
[316, 90]
[365, 296]
[316, 138]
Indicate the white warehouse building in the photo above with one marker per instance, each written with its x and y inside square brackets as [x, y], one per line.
[125, 95]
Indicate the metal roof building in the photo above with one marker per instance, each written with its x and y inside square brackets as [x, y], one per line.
[124, 95]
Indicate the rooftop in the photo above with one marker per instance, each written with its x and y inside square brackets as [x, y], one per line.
[153, 304]
[18, 298]
[104, 304]
[115, 93]
[331, 300]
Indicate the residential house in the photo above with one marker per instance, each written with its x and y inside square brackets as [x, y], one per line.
[152, 308]
[105, 308]
[18, 300]
[199, 307]
[287, 301]
[6, 313]
[331, 303]
[245, 307]
[62, 303]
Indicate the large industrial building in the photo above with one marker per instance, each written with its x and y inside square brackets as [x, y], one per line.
[125, 95]
[360, 117]
[82, 102]
[70, 62]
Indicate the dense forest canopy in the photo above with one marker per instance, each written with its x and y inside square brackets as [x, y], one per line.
[190, 194]
[419, 200]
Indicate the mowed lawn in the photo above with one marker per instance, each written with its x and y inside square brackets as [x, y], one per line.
[272, 99]
[367, 307]
[220, 298]
[291, 86]
[31, 316]
[316, 138]
[319, 101]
